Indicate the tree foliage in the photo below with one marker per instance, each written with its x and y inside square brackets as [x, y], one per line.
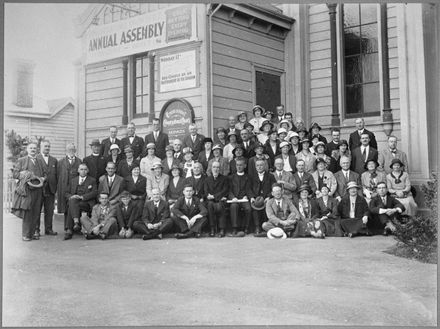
[17, 144]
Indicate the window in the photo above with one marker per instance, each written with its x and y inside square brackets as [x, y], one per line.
[141, 85]
[268, 89]
[361, 59]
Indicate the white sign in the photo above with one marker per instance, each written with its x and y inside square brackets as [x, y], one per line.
[154, 30]
[177, 71]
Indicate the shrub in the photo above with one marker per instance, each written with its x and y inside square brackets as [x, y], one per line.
[17, 144]
[417, 236]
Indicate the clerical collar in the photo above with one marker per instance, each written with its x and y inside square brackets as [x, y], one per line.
[261, 174]
[46, 155]
[95, 154]
[240, 173]
[279, 172]
[197, 177]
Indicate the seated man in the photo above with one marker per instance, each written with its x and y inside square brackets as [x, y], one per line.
[216, 189]
[353, 210]
[385, 209]
[190, 214]
[127, 212]
[238, 190]
[80, 197]
[102, 223]
[280, 211]
[155, 218]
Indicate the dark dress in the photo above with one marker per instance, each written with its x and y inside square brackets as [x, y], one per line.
[309, 215]
[174, 192]
[332, 225]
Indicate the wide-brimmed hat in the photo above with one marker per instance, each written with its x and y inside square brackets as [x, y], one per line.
[95, 142]
[266, 122]
[276, 233]
[151, 146]
[156, 165]
[285, 121]
[304, 140]
[268, 113]
[319, 160]
[187, 150]
[343, 142]
[240, 114]
[315, 125]
[231, 133]
[220, 129]
[208, 140]
[114, 147]
[282, 130]
[217, 147]
[352, 184]
[258, 204]
[169, 148]
[239, 146]
[258, 107]
[282, 144]
[304, 187]
[371, 160]
[175, 166]
[35, 182]
[292, 134]
[394, 161]
[319, 144]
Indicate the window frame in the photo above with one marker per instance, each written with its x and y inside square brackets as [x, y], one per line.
[270, 70]
[133, 95]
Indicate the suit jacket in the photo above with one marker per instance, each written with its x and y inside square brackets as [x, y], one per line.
[166, 168]
[330, 181]
[269, 151]
[238, 186]
[385, 157]
[357, 160]
[181, 209]
[251, 169]
[124, 169]
[376, 203]
[289, 186]
[161, 143]
[306, 179]
[218, 187]
[197, 184]
[98, 217]
[249, 151]
[175, 191]
[65, 173]
[127, 218]
[50, 185]
[360, 208]
[224, 166]
[289, 211]
[96, 165]
[197, 146]
[115, 190]
[331, 210]
[292, 161]
[137, 145]
[88, 190]
[355, 140]
[151, 216]
[342, 182]
[261, 188]
[203, 161]
[105, 146]
[139, 188]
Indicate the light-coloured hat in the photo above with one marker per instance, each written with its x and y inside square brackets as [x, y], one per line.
[151, 146]
[282, 144]
[282, 130]
[276, 233]
[156, 165]
[114, 147]
[292, 134]
[187, 150]
[351, 184]
[217, 147]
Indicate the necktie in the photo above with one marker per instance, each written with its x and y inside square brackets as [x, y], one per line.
[279, 206]
[188, 203]
[155, 135]
[279, 176]
[33, 160]
[364, 154]
[245, 145]
[81, 181]
[346, 176]
[384, 201]
[112, 141]
[110, 181]
[300, 176]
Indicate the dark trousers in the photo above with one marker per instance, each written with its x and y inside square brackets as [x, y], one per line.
[259, 217]
[32, 215]
[75, 207]
[141, 227]
[48, 203]
[183, 226]
[216, 214]
[354, 226]
[235, 219]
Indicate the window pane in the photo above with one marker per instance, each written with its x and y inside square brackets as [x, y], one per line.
[138, 86]
[351, 15]
[145, 104]
[145, 66]
[138, 67]
[138, 104]
[369, 38]
[352, 41]
[370, 68]
[368, 13]
[145, 86]
[371, 97]
[353, 99]
[353, 73]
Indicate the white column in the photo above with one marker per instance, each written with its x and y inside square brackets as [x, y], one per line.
[80, 109]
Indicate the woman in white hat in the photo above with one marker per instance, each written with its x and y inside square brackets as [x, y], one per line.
[114, 155]
[188, 162]
[158, 180]
[147, 161]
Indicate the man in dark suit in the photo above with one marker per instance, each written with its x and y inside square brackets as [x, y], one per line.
[280, 114]
[355, 137]
[27, 201]
[215, 189]
[362, 154]
[107, 142]
[111, 184]
[333, 145]
[302, 177]
[248, 144]
[156, 219]
[190, 214]
[177, 146]
[127, 213]
[197, 180]
[232, 129]
[159, 138]
[260, 186]
[194, 141]
[135, 142]
[95, 162]
[344, 176]
[385, 209]
[49, 188]
[81, 197]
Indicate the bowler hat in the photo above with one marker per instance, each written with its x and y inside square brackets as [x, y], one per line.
[396, 161]
[371, 160]
[276, 233]
[114, 147]
[258, 204]
[352, 184]
[95, 142]
[304, 187]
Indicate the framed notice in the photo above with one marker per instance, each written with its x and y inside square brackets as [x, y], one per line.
[175, 117]
[178, 71]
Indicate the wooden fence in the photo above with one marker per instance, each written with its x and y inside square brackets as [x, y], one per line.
[8, 193]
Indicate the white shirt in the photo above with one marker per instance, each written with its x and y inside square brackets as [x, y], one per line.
[110, 179]
[278, 174]
[279, 203]
[346, 174]
[46, 159]
[287, 166]
[261, 176]
[240, 173]
[81, 180]
[352, 206]
[131, 139]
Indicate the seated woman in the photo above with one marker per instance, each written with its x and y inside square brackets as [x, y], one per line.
[188, 162]
[370, 179]
[399, 186]
[175, 187]
[329, 222]
[136, 185]
[308, 210]
[158, 180]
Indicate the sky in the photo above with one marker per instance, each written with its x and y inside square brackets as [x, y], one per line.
[44, 33]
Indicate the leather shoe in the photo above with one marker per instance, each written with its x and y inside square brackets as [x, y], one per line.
[350, 235]
[260, 234]
[37, 233]
[25, 238]
[90, 236]
[197, 235]
[102, 236]
[50, 232]
[77, 227]
[148, 236]
[212, 233]
[180, 236]
[36, 236]
[221, 234]
[67, 236]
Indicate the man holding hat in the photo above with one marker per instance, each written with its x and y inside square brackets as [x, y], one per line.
[280, 211]
[95, 162]
[353, 211]
[107, 142]
[156, 219]
[157, 137]
[194, 140]
[127, 212]
[224, 163]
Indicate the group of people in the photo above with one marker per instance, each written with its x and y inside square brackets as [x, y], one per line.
[273, 177]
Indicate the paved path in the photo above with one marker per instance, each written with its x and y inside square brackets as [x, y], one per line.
[211, 281]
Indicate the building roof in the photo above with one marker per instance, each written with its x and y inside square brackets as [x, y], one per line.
[44, 109]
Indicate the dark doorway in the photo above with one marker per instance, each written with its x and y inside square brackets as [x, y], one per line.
[268, 90]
